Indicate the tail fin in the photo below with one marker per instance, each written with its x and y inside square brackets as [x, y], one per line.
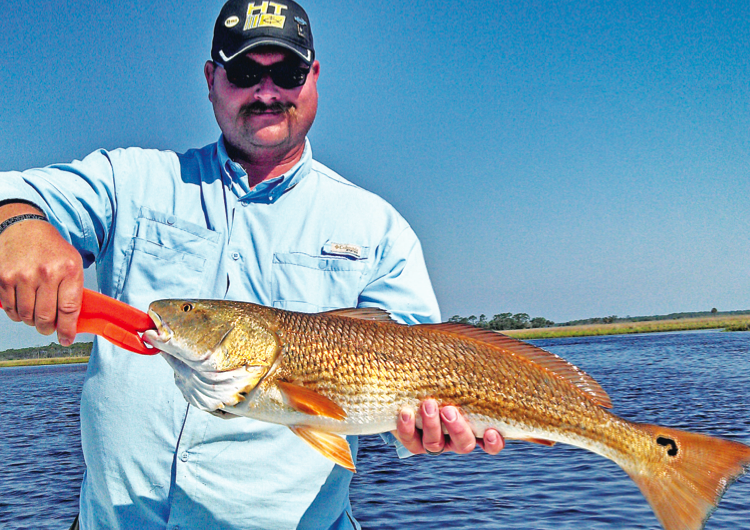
[688, 475]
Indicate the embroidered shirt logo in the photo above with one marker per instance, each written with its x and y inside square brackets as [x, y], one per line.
[265, 15]
[345, 249]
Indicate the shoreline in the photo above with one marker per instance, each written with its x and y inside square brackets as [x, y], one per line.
[731, 323]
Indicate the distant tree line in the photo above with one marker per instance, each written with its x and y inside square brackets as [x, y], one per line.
[523, 321]
[671, 316]
[504, 321]
[77, 349]
[602, 320]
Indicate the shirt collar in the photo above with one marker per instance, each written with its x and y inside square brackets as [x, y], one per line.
[267, 191]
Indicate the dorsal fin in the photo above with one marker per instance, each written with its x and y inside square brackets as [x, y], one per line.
[550, 361]
[362, 313]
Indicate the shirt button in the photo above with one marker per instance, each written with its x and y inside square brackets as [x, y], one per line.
[235, 256]
[322, 265]
[170, 220]
[184, 456]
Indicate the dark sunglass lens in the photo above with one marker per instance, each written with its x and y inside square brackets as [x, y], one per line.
[244, 74]
[288, 76]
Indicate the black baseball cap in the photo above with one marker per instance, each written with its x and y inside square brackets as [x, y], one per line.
[245, 24]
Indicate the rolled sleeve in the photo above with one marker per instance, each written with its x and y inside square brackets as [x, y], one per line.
[77, 198]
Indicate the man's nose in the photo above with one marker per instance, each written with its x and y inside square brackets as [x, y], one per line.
[266, 91]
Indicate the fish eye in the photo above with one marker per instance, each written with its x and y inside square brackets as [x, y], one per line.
[187, 307]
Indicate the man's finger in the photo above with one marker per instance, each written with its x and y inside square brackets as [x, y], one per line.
[25, 302]
[407, 433]
[69, 296]
[45, 309]
[492, 442]
[433, 439]
[8, 299]
[462, 439]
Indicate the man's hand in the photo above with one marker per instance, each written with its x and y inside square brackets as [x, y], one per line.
[460, 439]
[41, 275]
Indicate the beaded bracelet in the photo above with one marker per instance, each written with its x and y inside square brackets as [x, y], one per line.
[18, 218]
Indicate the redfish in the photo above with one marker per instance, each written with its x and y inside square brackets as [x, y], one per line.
[351, 371]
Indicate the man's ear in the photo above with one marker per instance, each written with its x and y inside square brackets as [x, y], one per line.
[315, 70]
[208, 70]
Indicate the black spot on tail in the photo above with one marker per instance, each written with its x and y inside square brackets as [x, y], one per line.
[668, 442]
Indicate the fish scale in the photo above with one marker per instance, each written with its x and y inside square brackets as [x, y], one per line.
[351, 371]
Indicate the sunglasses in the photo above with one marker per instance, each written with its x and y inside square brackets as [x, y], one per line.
[245, 73]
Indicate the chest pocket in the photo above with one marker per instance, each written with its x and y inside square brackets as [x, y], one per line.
[168, 256]
[309, 284]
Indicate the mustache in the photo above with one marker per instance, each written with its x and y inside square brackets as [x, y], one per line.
[258, 107]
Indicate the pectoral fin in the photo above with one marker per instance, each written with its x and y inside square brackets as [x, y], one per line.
[332, 446]
[310, 402]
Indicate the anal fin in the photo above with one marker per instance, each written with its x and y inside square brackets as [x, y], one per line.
[332, 446]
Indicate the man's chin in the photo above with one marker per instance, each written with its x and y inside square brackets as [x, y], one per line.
[261, 143]
[265, 129]
[270, 141]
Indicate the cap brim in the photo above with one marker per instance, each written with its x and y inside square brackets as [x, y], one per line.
[306, 55]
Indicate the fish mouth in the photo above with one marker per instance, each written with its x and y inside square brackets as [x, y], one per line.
[161, 335]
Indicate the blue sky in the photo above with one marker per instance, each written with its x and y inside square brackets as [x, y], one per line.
[563, 159]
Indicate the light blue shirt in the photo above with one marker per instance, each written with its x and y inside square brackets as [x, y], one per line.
[158, 224]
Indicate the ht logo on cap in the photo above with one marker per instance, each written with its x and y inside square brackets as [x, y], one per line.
[259, 17]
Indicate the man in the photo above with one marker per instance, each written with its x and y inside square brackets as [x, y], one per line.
[252, 217]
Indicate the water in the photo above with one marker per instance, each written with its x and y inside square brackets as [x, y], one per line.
[41, 464]
[695, 380]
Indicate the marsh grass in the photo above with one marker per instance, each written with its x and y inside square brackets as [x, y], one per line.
[43, 361]
[728, 323]
[738, 326]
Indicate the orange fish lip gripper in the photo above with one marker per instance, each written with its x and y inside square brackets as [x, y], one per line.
[116, 321]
